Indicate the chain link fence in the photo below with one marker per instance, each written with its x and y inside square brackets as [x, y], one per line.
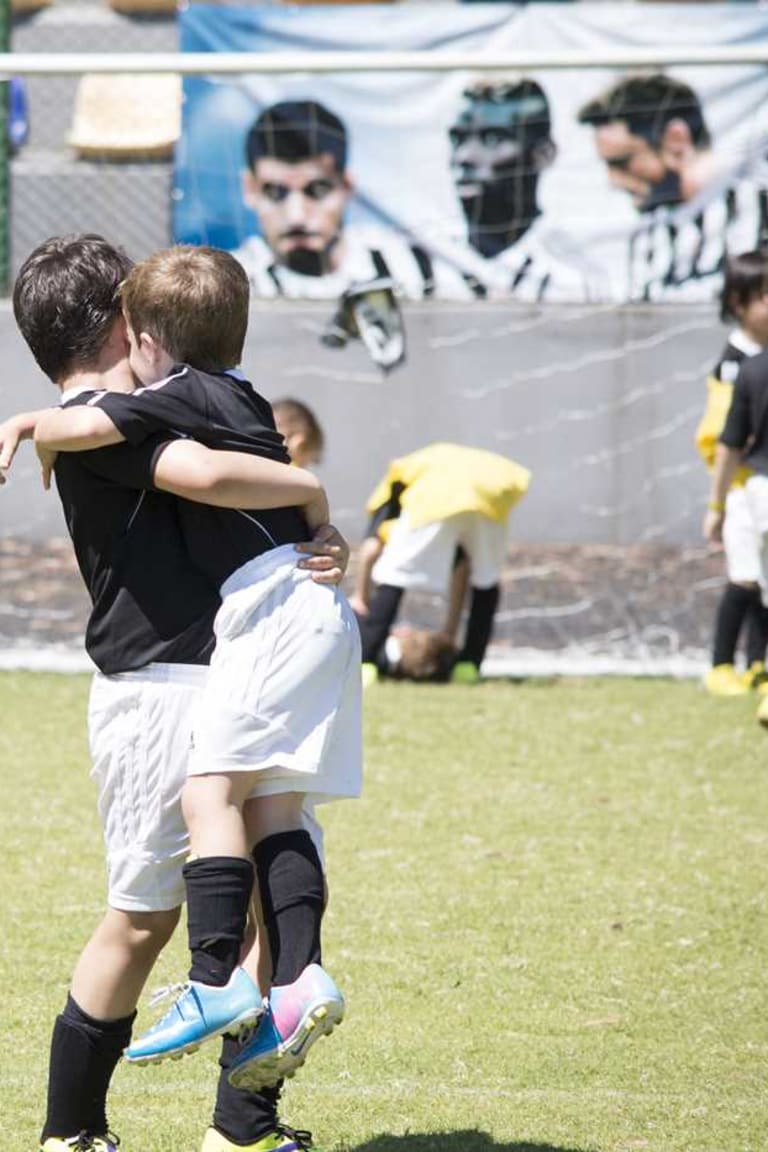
[52, 188]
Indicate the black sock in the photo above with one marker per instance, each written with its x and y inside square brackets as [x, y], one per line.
[219, 890]
[757, 630]
[374, 628]
[84, 1054]
[482, 610]
[292, 892]
[735, 603]
[243, 1117]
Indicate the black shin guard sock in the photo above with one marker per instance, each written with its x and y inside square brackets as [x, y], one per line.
[84, 1053]
[219, 892]
[757, 630]
[735, 603]
[243, 1117]
[482, 610]
[292, 892]
[374, 628]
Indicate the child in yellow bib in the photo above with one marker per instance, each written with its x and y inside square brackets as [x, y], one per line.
[438, 521]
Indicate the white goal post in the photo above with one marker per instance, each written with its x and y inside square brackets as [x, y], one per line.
[265, 63]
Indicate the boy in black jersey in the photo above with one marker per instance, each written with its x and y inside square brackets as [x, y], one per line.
[280, 716]
[744, 299]
[150, 634]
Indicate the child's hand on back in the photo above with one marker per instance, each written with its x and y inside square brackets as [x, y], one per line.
[327, 555]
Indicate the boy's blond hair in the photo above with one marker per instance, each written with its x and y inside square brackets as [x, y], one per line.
[193, 301]
[423, 654]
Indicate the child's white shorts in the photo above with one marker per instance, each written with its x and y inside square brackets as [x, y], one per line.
[140, 728]
[423, 557]
[741, 539]
[283, 697]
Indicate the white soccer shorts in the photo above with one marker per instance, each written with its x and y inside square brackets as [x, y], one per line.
[283, 697]
[756, 490]
[741, 539]
[423, 557]
[139, 726]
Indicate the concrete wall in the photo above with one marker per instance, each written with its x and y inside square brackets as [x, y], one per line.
[600, 403]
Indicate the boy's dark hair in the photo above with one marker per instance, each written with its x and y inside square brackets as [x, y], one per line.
[194, 302]
[298, 417]
[65, 300]
[296, 130]
[647, 104]
[745, 277]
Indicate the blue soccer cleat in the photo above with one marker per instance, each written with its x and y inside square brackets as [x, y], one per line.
[200, 1012]
[296, 1015]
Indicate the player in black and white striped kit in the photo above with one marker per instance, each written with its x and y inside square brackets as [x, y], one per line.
[651, 133]
[501, 142]
[298, 185]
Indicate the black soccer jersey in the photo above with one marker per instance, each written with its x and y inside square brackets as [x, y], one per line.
[736, 350]
[221, 411]
[746, 426]
[149, 602]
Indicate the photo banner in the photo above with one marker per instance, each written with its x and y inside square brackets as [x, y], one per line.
[581, 185]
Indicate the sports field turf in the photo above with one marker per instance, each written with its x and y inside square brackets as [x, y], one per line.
[548, 913]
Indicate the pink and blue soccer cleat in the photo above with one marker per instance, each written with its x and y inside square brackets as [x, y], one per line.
[199, 1013]
[296, 1016]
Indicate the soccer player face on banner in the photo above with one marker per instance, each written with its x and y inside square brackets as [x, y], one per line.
[651, 135]
[500, 142]
[297, 186]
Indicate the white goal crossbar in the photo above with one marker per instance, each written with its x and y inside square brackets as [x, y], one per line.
[263, 63]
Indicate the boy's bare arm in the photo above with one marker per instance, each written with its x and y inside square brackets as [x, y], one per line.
[457, 592]
[76, 429]
[370, 550]
[237, 480]
[727, 461]
[12, 432]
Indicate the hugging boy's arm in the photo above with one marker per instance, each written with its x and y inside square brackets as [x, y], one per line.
[187, 469]
[237, 480]
[12, 432]
[77, 428]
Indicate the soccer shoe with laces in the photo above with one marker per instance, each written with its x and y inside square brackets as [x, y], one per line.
[762, 711]
[200, 1012]
[280, 1139]
[81, 1143]
[724, 680]
[296, 1016]
[756, 678]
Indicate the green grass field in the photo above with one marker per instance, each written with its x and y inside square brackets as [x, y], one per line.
[548, 914]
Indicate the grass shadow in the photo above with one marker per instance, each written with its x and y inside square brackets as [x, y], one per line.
[467, 1140]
